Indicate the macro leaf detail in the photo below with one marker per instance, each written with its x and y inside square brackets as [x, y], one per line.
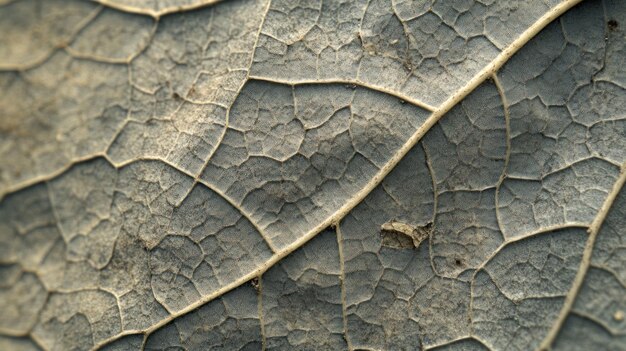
[303, 175]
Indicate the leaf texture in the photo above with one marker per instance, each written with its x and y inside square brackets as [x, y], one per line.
[199, 175]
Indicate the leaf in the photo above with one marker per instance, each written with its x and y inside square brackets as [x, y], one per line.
[156, 8]
[246, 174]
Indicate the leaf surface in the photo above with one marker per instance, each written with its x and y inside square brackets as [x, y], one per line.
[204, 175]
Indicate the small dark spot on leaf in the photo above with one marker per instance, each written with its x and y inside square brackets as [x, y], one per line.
[408, 65]
[358, 35]
[255, 283]
[612, 24]
[144, 246]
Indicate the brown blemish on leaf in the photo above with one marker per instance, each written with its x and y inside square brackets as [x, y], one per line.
[400, 235]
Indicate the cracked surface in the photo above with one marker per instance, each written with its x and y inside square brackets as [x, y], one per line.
[385, 287]
[293, 155]
[112, 36]
[35, 28]
[341, 175]
[126, 343]
[230, 322]
[57, 112]
[466, 152]
[183, 89]
[557, 156]
[422, 49]
[600, 304]
[519, 293]
[301, 299]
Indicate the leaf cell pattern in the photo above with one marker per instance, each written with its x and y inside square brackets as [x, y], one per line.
[208, 175]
